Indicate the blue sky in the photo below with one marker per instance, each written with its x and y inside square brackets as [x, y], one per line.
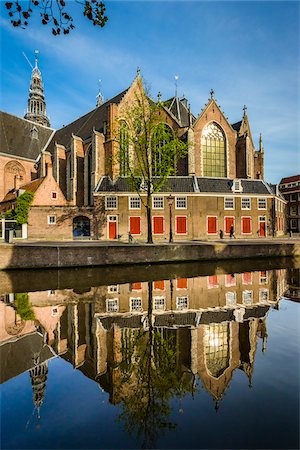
[248, 52]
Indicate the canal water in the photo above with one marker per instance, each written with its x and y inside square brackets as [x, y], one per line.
[161, 356]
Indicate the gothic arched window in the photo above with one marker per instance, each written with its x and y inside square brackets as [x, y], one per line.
[213, 151]
[160, 154]
[216, 347]
[123, 148]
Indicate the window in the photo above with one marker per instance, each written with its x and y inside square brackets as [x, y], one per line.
[111, 202]
[264, 295]
[213, 151]
[134, 203]
[53, 195]
[180, 225]
[181, 202]
[54, 311]
[113, 288]
[159, 285]
[263, 277]
[136, 304]
[159, 303]
[262, 203]
[161, 154]
[247, 297]
[294, 224]
[135, 225]
[230, 279]
[182, 303]
[181, 283]
[158, 225]
[246, 203]
[246, 225]
[247, 277]
[230, 298]
[228, 203]
[112, 305]
[212, 281]
[157, 202]
[212, 225]
[293, 210]
[51, 220]
[229, 222]
[293, 197]
[237, 186]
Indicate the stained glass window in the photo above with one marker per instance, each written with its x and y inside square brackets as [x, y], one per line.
[213, 151]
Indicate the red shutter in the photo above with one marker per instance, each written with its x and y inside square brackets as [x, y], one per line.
[211, 225]
[246, 225]
[228, 222]
[181, 226]
[158, 225]
[159, 285]
[135, 225]
[181, 283]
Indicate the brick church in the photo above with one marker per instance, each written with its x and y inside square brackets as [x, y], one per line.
[81, 192]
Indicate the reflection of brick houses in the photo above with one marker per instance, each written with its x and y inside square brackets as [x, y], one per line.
[218, 184]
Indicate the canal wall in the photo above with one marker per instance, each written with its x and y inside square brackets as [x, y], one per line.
[87, 254]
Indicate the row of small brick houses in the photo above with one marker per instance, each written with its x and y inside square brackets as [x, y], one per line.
[197, 207]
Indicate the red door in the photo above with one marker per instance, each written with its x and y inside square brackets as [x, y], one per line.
[135, 225]
[262, 228]
[229, 221]
[112, 229]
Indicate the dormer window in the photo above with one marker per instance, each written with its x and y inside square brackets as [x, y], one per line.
[237, 186]
[34, 133]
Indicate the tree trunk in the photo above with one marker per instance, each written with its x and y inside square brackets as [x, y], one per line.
[149, 222]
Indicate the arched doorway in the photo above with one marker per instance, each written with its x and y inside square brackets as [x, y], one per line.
[81, 227]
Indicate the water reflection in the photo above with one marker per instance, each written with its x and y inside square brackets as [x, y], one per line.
[145, 343]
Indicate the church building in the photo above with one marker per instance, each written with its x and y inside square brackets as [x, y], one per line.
[218, 186]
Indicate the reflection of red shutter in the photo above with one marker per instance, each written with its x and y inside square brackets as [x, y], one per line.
[211, 225]
[158, 225]
[181, 283]
[159, 285]
[247, 278]
[181, 227]
[230, 280]
[228, 222]
[213, 281]
[135, 225]
[136, 286]
[246, 225]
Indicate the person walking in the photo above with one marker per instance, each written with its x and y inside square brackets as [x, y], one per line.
[231, 232]
[221, 234]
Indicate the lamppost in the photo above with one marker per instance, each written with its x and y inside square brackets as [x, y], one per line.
[170, 199]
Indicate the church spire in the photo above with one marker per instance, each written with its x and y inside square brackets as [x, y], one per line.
[261, 147]
[36, 109]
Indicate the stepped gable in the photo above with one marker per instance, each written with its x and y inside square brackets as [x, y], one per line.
[21, 137]
[83, 126]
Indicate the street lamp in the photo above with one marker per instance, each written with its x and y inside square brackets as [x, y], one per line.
[170, 199]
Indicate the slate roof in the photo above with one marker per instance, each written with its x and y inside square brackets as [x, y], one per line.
[187, 184]
[236, 126]
[179, 110]
[17, 138]
[84, 125]
[291, 179]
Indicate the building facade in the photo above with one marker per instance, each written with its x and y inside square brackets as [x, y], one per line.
[290, 189]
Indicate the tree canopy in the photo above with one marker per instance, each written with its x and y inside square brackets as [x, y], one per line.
[55, 13]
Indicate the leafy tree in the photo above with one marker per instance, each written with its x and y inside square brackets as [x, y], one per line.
[23, 307]
[148, 148]
[21, 210]
[53, 12]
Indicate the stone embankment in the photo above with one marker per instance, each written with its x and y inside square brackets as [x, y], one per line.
[38, 255]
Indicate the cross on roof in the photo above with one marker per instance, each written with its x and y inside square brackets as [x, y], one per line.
[245, 109]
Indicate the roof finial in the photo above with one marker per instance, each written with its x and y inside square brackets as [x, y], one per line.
[261, 147]
[245, 109]
[158, 97]
[176, 80]
[212, 93]
[138, 71]
[99, 96]
[36, 57]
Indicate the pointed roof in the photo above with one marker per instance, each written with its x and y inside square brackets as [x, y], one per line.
[180, 110]
[211, 101]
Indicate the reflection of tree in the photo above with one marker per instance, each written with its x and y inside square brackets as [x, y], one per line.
[148, 381]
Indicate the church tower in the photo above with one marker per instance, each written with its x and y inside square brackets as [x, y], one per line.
[36, 109]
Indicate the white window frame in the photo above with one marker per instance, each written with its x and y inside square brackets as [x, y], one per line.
[133, 299]
[229, 199]
[133, 199]
[262, 292]
[237, 186]
[112, 301]
[113, 289]
[265, 203]
[247, 293]
[243, 279]
[230, 298]
[54, 311]
[263, 279]
[110, 197]
[248, 200]
[180, 198]
[179, 301]
[232, 277]
[50, 221]
[158, 198]
[159, 303]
